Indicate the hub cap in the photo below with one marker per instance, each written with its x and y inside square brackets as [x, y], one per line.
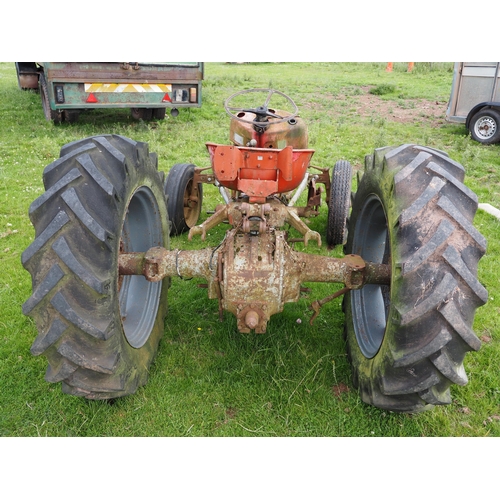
[485, 127]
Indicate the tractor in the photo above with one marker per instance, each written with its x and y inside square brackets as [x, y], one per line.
[101, 262]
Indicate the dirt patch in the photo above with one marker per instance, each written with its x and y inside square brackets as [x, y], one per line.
[420, 110]
[339, 389]
[366, 105]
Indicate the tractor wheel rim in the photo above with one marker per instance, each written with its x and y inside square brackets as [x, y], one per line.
[190, 208]
[138, 298]
[370, 304]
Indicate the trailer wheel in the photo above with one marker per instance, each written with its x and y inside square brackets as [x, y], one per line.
[145, 114]
[71, 115]
[184, 198]
[50, 114]
[98, 330]
[159, 113]
[339, 203]
[485, 126]
[407, 340]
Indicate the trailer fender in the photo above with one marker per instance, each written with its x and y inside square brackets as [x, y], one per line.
[478, 107]
[28, 74]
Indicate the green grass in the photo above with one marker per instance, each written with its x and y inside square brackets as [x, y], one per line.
[209, 380]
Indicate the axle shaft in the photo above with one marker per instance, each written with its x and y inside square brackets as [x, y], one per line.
[158, 263]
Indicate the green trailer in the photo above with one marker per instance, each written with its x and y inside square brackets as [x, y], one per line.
[148, 89]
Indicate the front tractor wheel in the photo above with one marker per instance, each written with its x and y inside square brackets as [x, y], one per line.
[339, 203]
[407, 341]
[184, 197]
[98, 330]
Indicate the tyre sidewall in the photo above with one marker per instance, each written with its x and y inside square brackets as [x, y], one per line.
[176, 183]
[365, 368]
[434, 290]
[140, 358]
[91, 355]
[49, 114]
[339, 203]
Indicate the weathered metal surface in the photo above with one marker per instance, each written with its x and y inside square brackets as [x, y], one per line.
[253, 274]
[318, 304]
[473, 83]
[28, 81]
[124, 72]
[274, 135]
[259, 172]
[180, 78]
[131, 263]
[27, 75]
[257, 218]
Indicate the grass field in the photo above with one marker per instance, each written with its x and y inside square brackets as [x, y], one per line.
[209, 380]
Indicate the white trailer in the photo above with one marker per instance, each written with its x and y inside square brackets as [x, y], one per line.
[475, 99]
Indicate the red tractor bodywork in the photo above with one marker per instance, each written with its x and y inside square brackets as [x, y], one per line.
[259, 172]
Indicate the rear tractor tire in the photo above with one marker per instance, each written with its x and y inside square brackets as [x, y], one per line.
[98, 330]
[407, 340]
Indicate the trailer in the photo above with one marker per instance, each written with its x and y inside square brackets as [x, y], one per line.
[475, 99]
[148, 89]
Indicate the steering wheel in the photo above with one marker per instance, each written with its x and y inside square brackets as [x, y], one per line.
[261, 112]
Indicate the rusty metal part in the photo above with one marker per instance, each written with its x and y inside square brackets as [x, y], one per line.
[131, 263]
[271, 135]
[294, 220]
[158, 263]
[220, 215]
[252, 319]
[318, 304]
[28, 81]
[254, 271]
[126, 66]
[254, 275]
[257, 218]
[322, 177]
[314, 194]
[204, 175]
